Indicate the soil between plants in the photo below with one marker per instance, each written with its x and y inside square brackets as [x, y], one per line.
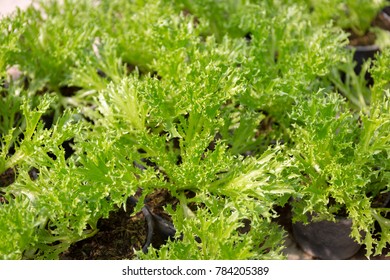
[118, 237]
[122, 233]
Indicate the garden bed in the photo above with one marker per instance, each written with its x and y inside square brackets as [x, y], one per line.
[192, 129]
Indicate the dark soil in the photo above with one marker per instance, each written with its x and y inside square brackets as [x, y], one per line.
[123, 232]
[118, 237]
[7, 177]
[367, 39]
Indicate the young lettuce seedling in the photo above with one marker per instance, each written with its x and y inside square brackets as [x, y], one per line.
[342, 161]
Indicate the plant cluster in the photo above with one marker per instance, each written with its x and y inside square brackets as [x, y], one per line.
[225, 104]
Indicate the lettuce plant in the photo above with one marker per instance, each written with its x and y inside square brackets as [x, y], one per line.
[342, 159]
[352, 15]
